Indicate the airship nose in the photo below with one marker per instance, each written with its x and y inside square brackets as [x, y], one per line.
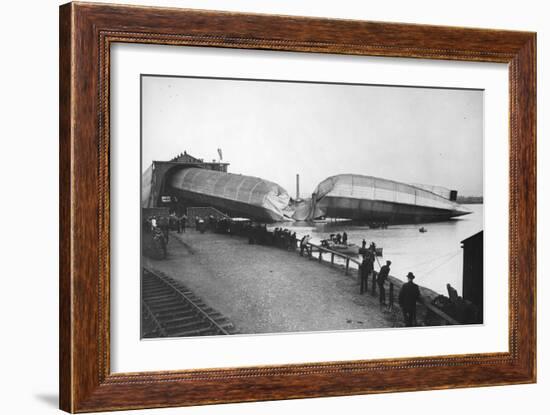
[461, 211]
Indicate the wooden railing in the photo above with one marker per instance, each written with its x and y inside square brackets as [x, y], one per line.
[320, 251]
[447, 318]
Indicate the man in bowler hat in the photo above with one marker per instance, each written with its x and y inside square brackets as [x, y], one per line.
[408, 296]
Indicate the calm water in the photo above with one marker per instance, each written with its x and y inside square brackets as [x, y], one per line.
[435, 257]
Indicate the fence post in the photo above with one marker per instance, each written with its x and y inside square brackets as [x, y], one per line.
[332, 259]
[320, 255]
[347, 266]
[391, 296]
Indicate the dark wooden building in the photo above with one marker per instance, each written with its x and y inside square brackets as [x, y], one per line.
[472, 272]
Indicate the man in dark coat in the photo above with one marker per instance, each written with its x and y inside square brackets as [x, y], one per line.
[181, 223]
[408, 296]
[365, 270]
[381, 280]
[164, 226]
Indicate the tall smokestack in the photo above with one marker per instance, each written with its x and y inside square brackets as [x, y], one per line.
[297, 186]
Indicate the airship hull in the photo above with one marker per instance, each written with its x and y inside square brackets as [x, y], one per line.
[372, 199]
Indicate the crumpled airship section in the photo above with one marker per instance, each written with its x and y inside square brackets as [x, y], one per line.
[234, 194]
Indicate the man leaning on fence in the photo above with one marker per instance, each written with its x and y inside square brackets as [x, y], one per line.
[381, 280]
[304, 245]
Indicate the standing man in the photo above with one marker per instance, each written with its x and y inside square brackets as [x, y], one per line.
[381, 280]
[372, 248]
[182, 223]
[178, 223]
[293, 240]
[408, 296]
[366, 270]
[345, 238]
[164, 226]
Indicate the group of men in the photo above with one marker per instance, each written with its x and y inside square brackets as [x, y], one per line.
[284, 238]
[159, 224]
[158, 227]
[181, 222]
[408, 295]
[339, 238]
[167, 222]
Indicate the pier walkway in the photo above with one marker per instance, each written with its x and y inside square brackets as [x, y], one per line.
[265, 290]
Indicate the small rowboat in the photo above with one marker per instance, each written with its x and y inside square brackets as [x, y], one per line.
[349, 249]
[377, 250]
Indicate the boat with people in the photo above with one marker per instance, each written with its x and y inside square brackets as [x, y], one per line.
[348, 249]
[334, 243]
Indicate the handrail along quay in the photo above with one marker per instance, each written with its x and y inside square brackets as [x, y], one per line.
[392, 284]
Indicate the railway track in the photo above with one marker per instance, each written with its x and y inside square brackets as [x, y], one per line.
[169, 309]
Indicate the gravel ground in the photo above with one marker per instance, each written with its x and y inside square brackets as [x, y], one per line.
[269, 290]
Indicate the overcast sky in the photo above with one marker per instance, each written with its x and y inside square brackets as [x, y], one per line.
[274, 130]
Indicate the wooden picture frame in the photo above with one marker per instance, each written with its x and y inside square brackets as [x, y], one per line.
[86, 33]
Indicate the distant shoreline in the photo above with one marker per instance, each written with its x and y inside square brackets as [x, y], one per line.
[469, 200]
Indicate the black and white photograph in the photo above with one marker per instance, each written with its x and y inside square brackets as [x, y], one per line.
[281, 206]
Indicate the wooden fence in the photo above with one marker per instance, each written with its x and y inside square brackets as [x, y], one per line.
[314, 250]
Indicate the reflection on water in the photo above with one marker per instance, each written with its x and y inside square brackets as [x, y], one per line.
[435, 257]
